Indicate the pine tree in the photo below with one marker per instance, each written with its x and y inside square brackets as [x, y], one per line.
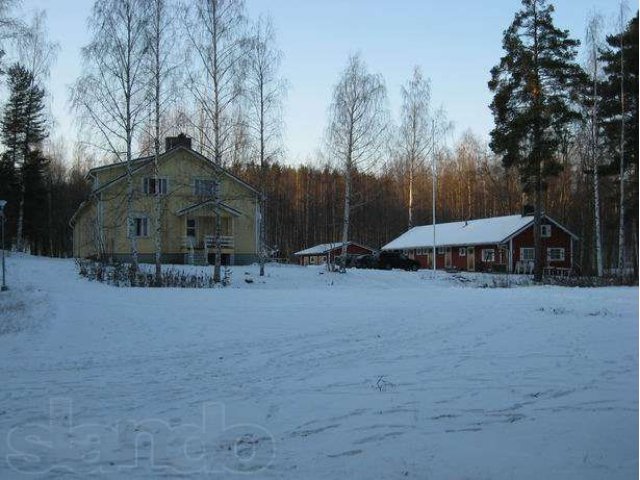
[535, 87]
[23, 130]
[619, 93]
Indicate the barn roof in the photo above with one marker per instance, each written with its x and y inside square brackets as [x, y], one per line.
[472, 232]
[324, 248]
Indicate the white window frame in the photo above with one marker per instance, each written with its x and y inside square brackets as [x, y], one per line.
[162, 181]
[561, 256]
[215, 185]
[462, 251]
[486, 252]
[195, 227]
[440, 250]
[524, 251]
[144, 226]
[545, 231]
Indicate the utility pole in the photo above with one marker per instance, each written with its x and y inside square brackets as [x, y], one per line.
[433, 205]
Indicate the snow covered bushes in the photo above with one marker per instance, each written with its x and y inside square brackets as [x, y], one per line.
[122, 275]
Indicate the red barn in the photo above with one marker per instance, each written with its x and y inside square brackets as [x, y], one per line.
[489, 244]
[322, 253]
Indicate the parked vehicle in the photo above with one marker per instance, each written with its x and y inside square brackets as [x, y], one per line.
[370, 260]
[386, 261]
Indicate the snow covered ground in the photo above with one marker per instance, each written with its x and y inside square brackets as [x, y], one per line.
[313, 375]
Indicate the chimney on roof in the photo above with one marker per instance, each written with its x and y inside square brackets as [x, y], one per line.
[180, 141]
[528, 210]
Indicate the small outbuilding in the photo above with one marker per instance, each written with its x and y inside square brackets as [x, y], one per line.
[328, 252]
[489, 244]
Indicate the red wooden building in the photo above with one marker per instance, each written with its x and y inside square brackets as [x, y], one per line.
[489, 244]
[324, 252]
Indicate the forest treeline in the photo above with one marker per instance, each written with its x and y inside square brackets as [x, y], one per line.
[566, 134]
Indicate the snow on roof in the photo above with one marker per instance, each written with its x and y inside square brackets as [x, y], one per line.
[324, 248]
[473, 232]
[319, 249]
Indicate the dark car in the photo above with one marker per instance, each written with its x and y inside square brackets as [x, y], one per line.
[388, 260]
[369, 260]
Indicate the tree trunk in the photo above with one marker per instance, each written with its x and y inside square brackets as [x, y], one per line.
[622, 148]
[157, 230]
[20, 227]
[411, 195]
[345, 221]
[597, 227]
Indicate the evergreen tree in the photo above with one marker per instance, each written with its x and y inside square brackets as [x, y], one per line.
[23, 128]
[535, 88]
[619, 93]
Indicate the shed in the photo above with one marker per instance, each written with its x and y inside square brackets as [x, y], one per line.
[320, 254]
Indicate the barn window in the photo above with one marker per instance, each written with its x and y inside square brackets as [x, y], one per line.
[488, 255]
[555, 254]
[545, 231]
[462, 252]
[440, 250]
[527, 254]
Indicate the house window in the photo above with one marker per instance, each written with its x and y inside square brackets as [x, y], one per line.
[462, 252]
[545, 231]
[488, 255]
[440, 250]
[527, 254]
[152, 187]
[555, 254]
[191, 227]
[204, 187]
[141, 226]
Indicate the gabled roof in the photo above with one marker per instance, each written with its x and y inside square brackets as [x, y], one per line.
[140, 163]
[325, 248]
[483, 231]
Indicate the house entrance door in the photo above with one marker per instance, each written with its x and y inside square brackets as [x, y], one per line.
[471, 259]
[447, 258]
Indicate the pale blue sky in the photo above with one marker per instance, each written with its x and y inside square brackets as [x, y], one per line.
[455, 42]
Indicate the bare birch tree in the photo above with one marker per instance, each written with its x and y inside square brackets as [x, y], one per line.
[419, 127]
[111, 95]
[264, 92]
[37, 53]
[11, 28]
[415, 141]
[593, 42]
[215, 31]
[162, 61]
[623, 114]
[356, 130]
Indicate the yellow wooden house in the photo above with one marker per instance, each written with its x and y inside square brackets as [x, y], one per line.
[186, 184]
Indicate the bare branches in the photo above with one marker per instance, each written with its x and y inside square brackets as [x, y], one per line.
[357, 129]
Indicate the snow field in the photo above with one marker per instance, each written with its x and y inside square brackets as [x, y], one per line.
[315, 375]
